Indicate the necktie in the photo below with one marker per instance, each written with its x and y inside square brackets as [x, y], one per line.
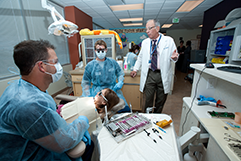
[154, 56]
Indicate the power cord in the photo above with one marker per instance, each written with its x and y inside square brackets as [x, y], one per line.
[195, 93]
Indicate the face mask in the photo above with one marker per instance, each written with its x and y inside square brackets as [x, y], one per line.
[100, 55]
[59, 72]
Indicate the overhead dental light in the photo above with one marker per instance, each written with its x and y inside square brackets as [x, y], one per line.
[67, 28]
[61, 26]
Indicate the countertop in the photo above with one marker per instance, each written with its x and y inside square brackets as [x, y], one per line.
[81, 72]
[215, 126]
[234, 78]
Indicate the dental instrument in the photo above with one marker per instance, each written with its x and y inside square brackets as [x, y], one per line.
[156, 132]
[148, 134]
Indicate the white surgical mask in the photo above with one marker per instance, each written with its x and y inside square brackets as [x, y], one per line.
[59, 72]
[101, 54]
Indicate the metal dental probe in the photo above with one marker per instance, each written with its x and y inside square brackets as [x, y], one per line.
[156, 132]
[148, 134]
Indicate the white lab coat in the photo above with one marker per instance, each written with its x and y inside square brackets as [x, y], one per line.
[166, 47]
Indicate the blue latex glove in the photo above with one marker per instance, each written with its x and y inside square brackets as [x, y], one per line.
[118, 86]
[87, 138]
[84, 118]
[202, 98]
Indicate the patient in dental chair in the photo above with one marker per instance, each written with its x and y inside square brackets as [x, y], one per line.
[88, 106]
[108, 98]
[94, 110]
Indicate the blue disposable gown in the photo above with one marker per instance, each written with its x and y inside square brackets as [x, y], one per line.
[102, 75]
[131, 58]
[30, 127]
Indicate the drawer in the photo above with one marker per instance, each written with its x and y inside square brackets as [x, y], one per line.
[77, 78]
[129, 79]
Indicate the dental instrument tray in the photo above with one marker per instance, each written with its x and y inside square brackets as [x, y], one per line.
[127, 126]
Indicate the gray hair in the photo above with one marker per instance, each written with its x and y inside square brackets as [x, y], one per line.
[155, 22]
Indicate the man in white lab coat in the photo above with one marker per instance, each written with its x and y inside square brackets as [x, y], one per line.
[157, 53]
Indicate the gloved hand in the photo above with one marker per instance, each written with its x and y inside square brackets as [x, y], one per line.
[84, 118]
[87, 138]
[118, 86]
[86, 93]
[202, 98]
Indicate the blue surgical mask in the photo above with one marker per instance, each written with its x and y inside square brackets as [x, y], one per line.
[59, 72]
[100, 54]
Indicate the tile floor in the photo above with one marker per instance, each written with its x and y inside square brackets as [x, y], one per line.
[173, 105]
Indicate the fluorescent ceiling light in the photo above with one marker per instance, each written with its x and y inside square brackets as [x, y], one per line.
[127, 7]
[189, 5]
[131, 19]
[132, 24]
[166, 25]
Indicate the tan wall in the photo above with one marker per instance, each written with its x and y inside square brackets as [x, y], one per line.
[186, 34]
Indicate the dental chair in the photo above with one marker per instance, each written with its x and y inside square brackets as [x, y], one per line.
[84, 106]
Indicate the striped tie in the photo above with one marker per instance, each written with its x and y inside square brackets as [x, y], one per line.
[154, 56]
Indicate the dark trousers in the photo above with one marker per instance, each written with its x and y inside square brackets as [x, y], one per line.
[87, 154]
[154, 88]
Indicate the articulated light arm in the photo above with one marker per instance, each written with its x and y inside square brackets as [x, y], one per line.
[61, 26]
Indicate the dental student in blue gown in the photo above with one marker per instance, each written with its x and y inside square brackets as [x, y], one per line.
[30, 127]
[102, 73]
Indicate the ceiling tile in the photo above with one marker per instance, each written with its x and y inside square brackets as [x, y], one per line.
[121, 14]
[136, 11]
[175, 4]
[134, 1]
[163, 10]
[115, 2]
[93, 3]
[153, 6]
[154, 1]
[211, 2]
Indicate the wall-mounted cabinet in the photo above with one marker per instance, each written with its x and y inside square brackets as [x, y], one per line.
[233, 57]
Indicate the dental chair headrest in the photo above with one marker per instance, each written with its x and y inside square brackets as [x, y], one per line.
[119, 106]
[65, 97]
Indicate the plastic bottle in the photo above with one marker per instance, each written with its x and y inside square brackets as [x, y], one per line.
[125, 63]
[128, 66]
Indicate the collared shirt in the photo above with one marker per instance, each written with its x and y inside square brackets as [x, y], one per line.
[158, 52]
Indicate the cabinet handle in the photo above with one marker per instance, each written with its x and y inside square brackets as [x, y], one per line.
[76, 82]
[132, 84]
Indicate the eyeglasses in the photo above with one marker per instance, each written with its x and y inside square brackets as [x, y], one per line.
[98, 50]
[149, 28]
[100, 94]
[54, 61]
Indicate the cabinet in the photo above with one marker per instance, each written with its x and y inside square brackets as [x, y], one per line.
[226, 88]
[131, 91]
[88, 46]
[77, 76]
[189, 121]
[234, 56]
[76, 81]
